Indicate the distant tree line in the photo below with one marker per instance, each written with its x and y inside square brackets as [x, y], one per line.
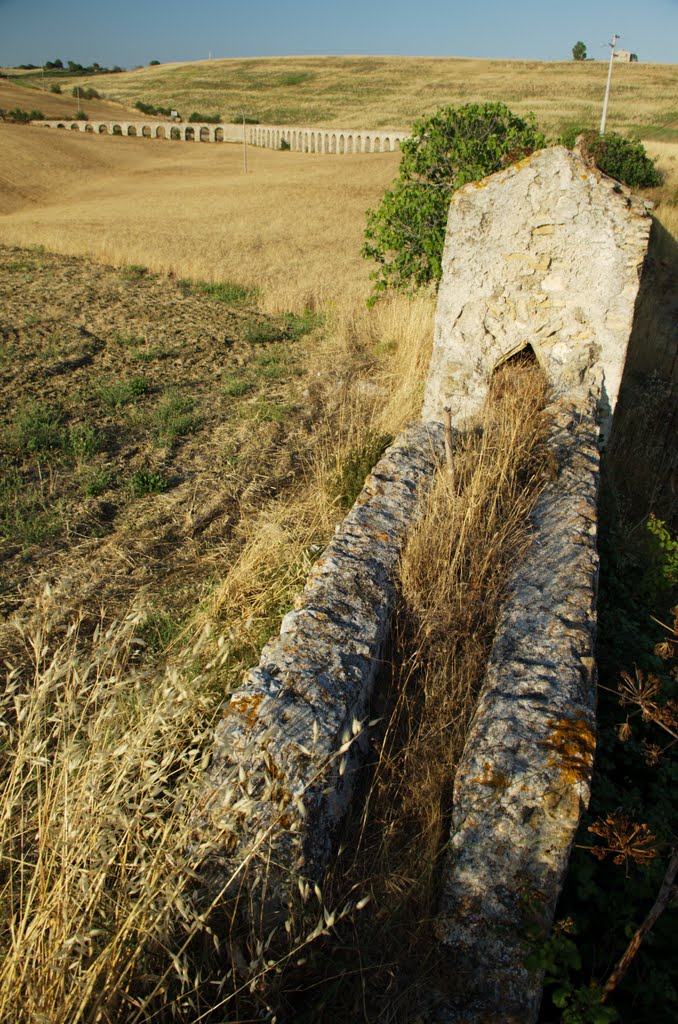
[71, 68]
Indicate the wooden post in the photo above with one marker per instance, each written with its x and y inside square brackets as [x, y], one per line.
[447, 421]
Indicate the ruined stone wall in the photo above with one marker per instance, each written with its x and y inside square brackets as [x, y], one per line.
[546, 254]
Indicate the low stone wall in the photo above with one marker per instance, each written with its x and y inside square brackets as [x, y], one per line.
[524, 776]
[288, 747]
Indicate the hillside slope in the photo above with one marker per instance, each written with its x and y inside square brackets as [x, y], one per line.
[390, 92]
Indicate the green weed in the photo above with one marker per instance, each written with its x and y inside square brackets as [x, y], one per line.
[223, 291]
[83, 441]
[158, 630]
[347, 482]
[146, 481]
[121, 393]
[173, 418]
[38, 428]
[134, 272]
[236, 386]
[24, 515]
[271, 412]
[97, 482]
[258, 332]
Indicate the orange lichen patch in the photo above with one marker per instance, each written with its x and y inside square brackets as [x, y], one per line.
[246, 706]
[572, 744]
[496, 780]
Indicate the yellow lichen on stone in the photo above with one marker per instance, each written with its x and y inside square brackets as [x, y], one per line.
[571, 747]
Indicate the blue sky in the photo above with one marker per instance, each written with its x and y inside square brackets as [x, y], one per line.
[132, 32]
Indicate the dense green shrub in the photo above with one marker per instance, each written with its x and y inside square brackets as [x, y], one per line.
[85, 92]
[19, 116]
[622, 158]
[196, 118]
[405, 234]
[55, 88]
[149, 108]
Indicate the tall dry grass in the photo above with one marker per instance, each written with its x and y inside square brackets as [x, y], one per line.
[453, 579]
[100, 759]
[99, 766]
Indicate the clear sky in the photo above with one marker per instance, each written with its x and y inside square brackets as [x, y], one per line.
[132, 32]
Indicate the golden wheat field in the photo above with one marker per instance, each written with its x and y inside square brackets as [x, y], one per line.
[292, 227]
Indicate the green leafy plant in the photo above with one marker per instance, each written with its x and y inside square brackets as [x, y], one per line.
[456, 145]
[197, 118]
[147, 481]
[664, 555]
[579, 51]
[19, 116]
[284, 145]
[622, 158]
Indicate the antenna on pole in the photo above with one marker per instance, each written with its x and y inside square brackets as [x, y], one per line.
[615, 37]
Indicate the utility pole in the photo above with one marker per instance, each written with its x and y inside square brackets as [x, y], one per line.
[77, 89]
[615, 37]
[244, 143]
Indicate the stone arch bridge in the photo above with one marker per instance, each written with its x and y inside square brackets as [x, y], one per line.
[305, 140]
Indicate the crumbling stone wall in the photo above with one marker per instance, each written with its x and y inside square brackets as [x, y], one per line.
[287, 748]
[546, 254]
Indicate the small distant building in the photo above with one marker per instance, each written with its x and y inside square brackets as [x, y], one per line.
[624, 57]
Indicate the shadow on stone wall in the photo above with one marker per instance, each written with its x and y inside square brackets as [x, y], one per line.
[642, 460]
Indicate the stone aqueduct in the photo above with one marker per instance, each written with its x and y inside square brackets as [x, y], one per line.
[306, 140]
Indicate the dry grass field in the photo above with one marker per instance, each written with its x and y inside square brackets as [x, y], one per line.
[192, 390]
[292, 227]
[390, 92]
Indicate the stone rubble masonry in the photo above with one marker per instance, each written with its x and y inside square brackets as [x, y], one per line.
[289, 746]
[524, 775]
[548, 253]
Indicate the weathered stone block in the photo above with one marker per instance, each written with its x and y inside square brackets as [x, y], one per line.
[584, 237]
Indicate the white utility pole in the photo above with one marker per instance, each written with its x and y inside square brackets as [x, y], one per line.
[244, 143]
[615, 37]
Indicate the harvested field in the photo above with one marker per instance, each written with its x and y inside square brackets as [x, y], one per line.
[292, 228]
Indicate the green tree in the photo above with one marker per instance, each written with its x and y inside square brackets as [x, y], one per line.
[406, 232]
[579, 51]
